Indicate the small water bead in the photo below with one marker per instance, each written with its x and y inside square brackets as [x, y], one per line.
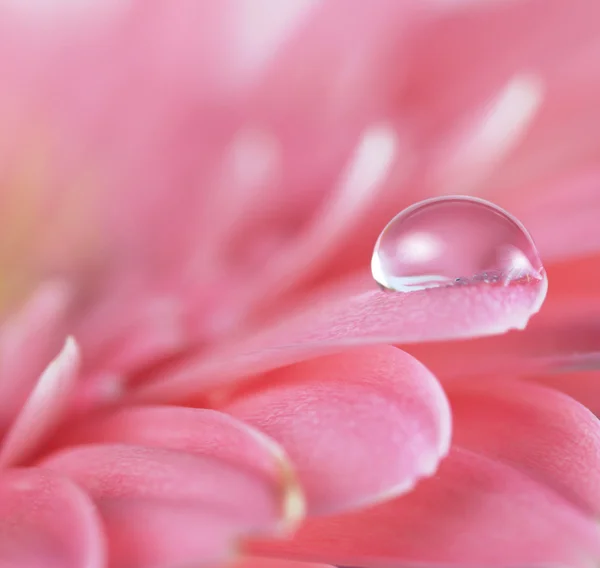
[454, 241]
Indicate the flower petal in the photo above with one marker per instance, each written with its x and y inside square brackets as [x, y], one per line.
[355, 313]
[475, 512]
[553, 430]
[44, 407]
[29, 340]
[201, 432]
[571, 202]
[47, 522]
[193, 508]
[360, 426]
[147, 533]
[256, 562]
[583, 386]
[564, 336]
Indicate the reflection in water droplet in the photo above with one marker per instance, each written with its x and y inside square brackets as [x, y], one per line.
[454, 241]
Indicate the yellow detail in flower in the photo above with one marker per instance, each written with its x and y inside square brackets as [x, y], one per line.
[44, 229]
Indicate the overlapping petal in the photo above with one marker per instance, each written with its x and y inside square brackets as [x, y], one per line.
[47, 522]
[520, 487]
[352, 314]
[474, 512]
[179, 485]
[556, 441]
[360, 426]
[563, 337]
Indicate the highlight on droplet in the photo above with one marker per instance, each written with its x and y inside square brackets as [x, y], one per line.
[454, 241]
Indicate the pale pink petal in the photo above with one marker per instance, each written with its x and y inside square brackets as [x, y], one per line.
[318, 148]
[558, 144]
[449, 87]
[451, 71]
[196, 506]
[202, 432]
[571, 202]
[47, 522]
[29, 340]
[360, 426]
[557, 441]
[44, 407]
[352, 314]
[475, 512]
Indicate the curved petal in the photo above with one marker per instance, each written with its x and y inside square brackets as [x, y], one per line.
[360, 426]
[147, 533]
[201, 432]
[47, 522]
[475, 512]
[44, 407]
[192, 508]
[564, 336]
[583, 386]
[29, 340]
[161, 537]
[356, 313]
[553, 430]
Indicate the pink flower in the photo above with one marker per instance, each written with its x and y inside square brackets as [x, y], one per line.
[194, 359]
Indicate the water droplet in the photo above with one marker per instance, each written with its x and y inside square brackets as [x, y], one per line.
[454, 241]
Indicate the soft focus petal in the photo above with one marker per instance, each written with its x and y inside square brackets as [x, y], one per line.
[354, 314]
[447, 109]
[28, 342]
[571, 203]
[196, 506]
[559, 147]
[557, 441]
[583, 386]
[475, 512]
[44, 407]
[564, 336]
[256, 562]
[47, 522]
[361, 426]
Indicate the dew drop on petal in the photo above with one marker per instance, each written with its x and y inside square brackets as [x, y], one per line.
[454, 241]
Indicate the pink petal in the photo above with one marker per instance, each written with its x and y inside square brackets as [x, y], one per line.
[162, 537]
[475, 512]
[558, 441]
[360, 426]
[255, 562]
[201, 432]
[571, 202]
[583, 386]
[193, 508]
[44, 407]
[153, 534]
[47, 522]
[564, 336]
[448, 82]
[29, 340]
[450, 70]
[350, 314]
[557, 154]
